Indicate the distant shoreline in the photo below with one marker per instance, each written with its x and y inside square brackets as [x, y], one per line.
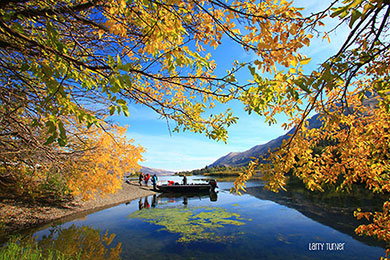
[18, 216]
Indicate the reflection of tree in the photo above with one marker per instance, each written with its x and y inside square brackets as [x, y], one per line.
[80, 243]
[191, 223]
[66, 244]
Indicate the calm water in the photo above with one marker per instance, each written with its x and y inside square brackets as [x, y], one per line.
[225, 226]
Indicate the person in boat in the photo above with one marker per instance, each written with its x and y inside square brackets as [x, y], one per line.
[184, 180]
[213, 184]
[154, 181]
[147, 177]
[141, 178]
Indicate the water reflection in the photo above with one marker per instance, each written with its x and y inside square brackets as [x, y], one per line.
[74, 242]
[84, 242]
[144, 203]
[173, 197]
[226, 226]
[154, 201]
[165, 198]
[332, 209]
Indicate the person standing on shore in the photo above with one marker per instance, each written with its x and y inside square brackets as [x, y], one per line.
[154, 181]
[147, 177]
[141, 178]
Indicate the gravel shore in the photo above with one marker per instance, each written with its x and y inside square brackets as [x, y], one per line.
[17, 216]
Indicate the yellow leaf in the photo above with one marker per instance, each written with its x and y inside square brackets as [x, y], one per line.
[294, 62]
[305, 61]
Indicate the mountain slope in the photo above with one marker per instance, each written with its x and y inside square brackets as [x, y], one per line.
[243, 158]
[152, 171]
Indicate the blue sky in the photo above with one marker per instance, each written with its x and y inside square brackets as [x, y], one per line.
[187, 151]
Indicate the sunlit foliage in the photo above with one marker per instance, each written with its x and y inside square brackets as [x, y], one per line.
[83, 59]
[58, 53]
[349, 91]
[63, 60]
[92, 163]
[105, 158]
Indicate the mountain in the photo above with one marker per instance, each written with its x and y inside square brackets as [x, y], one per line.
[243, 158]
[152, 171]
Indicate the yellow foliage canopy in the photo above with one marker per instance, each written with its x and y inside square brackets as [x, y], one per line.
[106, 159]
[68, 59]
[349, 94]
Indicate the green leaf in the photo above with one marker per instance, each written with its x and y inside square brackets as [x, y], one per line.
[17, 27]
[125, 110]
[52, 127]
[50, 140]
[61, 142]
[121, 102]
[112, 110]
[252, 70]
[62, 130]
[305, 88]
[111, 60]
[34, 123]
[24, 67]
[354, 16]
[337, 11]
[302, 84]
[115, 88]
[60, 46]
[47, 71]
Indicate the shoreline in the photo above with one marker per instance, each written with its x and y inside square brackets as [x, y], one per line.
[17, 217]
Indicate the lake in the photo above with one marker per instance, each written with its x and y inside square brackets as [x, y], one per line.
[257, 225]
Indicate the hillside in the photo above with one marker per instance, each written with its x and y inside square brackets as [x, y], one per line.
[152, 171]
[237, 159]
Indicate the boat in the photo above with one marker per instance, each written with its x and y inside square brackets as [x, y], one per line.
[188, 188]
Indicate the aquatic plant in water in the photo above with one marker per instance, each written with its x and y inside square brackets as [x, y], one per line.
[197, 223]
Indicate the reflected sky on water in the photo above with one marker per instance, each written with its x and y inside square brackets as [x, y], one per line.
[223, 226]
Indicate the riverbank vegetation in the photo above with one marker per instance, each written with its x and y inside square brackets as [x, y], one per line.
[219, 171]
[92, 163]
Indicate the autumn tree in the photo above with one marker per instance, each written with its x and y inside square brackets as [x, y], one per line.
[99, 160]
[78, 60]
[66, 60]
[92, 163]
[349, 91]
